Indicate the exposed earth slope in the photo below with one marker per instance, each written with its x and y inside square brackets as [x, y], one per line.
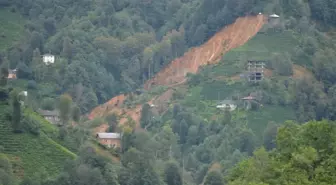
[228, 38]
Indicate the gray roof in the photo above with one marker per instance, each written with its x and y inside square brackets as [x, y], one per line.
[274, 16]
[108, 135]
[227, 102]
[12, 70]
[48, 113]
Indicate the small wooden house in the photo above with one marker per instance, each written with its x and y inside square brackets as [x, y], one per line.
[51, 116]
[111, 140]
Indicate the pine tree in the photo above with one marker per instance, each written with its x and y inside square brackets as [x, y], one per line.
[213, 178]
[172, 174]
[65, 108]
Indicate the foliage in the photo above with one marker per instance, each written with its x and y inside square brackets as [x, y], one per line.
[108, 47]
[48, 104]
[172, 174]
[303, 154]
[31, 124]
[282, 64]
[3, 76]
[65, 108]
[146, 115]
[75, 113]
[112, 121]
[35, 153]
[11, 29]
[213, 178]
[89, 168]
[16, 111]
[6, 171]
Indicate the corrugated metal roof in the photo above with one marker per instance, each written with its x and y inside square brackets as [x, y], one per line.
[274, 16]
[108, 135]
[227, 102]
[48, 113]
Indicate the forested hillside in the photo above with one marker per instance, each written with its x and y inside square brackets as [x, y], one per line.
[111, 46]
[173, 132]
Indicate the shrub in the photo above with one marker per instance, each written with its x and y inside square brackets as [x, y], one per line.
[3, 94]
[31, 125]
[24, 71]
[48, 104]
[31, 84]
[282, 64]
[62, 133]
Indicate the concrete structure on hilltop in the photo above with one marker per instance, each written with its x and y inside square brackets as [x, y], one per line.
[255, 71]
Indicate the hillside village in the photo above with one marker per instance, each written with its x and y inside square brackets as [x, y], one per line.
[167, 92]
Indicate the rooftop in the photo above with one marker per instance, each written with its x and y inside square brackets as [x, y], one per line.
[12, 70]
[108, 135]
[274, 16]
[248, 98]
[48, 113]
[227, 102]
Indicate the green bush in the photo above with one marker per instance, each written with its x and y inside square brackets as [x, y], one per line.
[48, 104]
[3, 94]
[31, 84]
[31, 124]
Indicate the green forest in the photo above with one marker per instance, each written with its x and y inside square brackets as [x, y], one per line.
[105, 48]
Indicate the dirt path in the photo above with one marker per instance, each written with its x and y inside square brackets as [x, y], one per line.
[174, 74]
[300, 72]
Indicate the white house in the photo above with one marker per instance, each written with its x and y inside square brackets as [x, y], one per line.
[227, 104]
[48, 59]
[274, 16]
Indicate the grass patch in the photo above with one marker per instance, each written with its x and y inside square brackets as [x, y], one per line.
[36, 153]
[258, 120]
[220, 90]
[11, 28]
[49, 129]
[263, 45]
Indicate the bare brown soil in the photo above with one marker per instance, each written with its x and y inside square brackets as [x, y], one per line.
[174, 74]
[301, 72]
[228, 38]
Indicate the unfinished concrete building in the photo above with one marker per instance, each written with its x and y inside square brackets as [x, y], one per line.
[255, 71]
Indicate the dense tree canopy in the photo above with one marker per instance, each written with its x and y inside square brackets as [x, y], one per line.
[107, 47]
